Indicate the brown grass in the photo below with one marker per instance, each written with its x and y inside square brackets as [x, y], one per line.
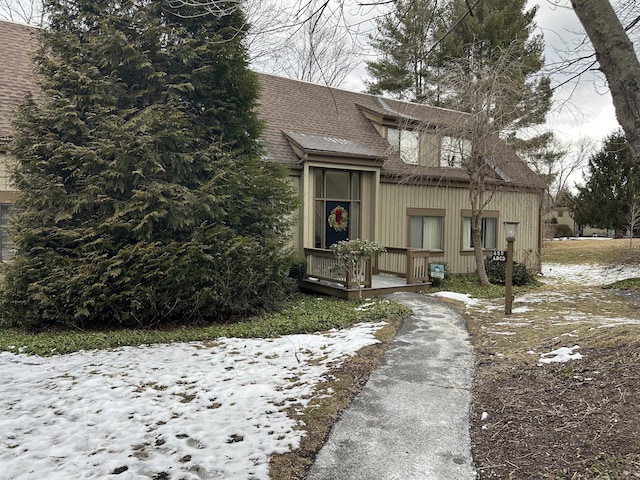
[573, 420]
[592, 251]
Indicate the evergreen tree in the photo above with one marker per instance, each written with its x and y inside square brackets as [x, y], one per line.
[480, 42]
[420, 43]
[405, 44]
[143, 197]
[613, 184]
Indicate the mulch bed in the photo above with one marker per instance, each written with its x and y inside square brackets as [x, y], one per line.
[575, 420]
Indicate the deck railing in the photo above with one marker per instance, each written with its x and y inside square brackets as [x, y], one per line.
[409, 263]
[319, 265]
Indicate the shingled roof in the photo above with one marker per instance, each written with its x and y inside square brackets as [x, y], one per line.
[330, 121]
[311, 118]
[17, 42]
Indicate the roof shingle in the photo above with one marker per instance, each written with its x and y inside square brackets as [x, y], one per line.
[17, 44]
[295, 110]
[317, 118]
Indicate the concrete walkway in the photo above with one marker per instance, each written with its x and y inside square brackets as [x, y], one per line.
[411, 420]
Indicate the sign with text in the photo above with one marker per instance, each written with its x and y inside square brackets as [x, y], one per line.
[499, 256]
[436, 270]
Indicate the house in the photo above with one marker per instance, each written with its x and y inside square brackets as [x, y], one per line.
[397, 170]
[560, 215]
[16, 43]
[365, 167]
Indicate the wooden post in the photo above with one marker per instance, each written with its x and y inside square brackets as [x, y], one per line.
[508, 296]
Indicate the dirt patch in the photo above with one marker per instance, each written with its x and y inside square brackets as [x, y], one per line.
[571, 420]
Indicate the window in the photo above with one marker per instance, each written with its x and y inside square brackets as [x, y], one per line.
[455, 152]
[426, 228]
[489, 232]
[333, 188]
[6, 245]
[407, 142]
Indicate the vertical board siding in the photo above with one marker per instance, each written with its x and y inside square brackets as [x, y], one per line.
[393, 221]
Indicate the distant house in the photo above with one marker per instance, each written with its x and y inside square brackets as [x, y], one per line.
[365, 167]
[562, 216]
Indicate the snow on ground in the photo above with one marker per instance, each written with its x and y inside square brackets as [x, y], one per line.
[189, 411]
[588, 274]
[556, 275]
[465, 298]
[560, 355]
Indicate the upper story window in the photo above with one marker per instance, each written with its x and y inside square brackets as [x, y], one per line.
[454, 152]
[407, 142]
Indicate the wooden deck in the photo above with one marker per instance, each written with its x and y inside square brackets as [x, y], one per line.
[395, 270]
[380, 285]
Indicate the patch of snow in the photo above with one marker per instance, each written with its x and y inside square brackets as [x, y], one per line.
[197, 410]
[560, 355]
[364, 306]
[467, 299]
[587, 274]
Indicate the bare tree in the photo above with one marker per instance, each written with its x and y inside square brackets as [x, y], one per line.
[26, 11]
[634, 218]
[491, 93]
[318, 50]
[557, 163]
[618, 62]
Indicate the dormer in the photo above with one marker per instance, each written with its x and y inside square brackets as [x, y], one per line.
[418, 142]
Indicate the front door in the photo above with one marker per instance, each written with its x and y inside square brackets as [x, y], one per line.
[337, 222]
[337, 206]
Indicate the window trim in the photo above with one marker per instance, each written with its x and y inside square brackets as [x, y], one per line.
[495, 214]
[427, 212]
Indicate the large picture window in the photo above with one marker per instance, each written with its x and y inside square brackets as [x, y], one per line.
[426, 229]
[489, 232]
[341, 190]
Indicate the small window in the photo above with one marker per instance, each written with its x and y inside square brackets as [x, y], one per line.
[455, 152]
[425, 232]
[407, 142]
[489, 232]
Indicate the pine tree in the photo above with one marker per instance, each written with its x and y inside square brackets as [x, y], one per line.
[480, 41]
[612, 187]
[143, 197]
[405, 44]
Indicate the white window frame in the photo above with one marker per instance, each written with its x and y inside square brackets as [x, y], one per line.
[489, 234]
[454, 151]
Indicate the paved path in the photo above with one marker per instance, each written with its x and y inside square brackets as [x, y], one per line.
[411, 420]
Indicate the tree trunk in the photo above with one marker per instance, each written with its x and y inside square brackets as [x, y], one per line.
[618, 62]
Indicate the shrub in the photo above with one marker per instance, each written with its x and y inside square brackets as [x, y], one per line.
[562, 231]
[497, 272]
[298, 269]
